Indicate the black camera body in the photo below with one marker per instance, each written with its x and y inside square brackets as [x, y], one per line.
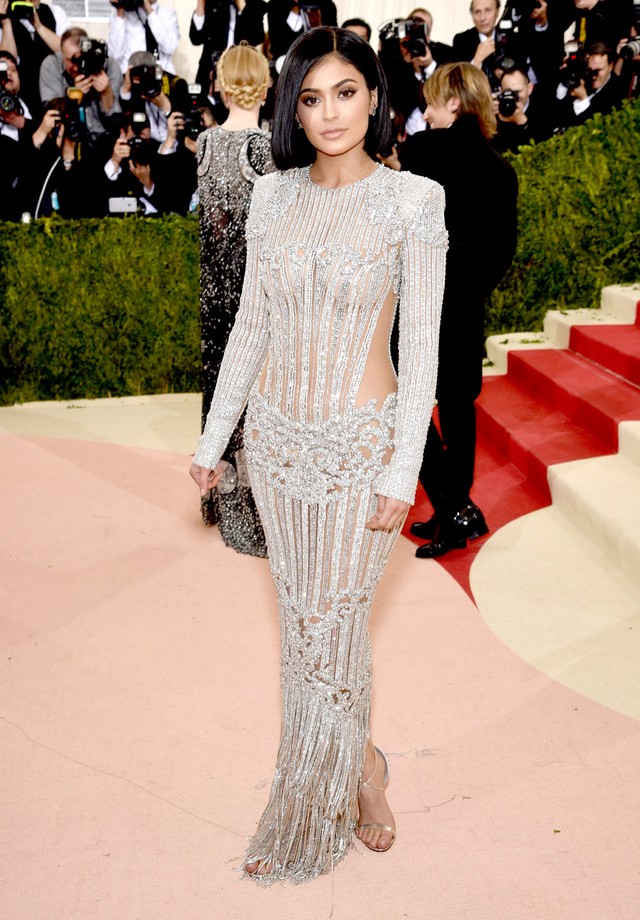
[93, 57]
[188, 104]
[575, 70]
[146, 81]
[21, 9]
[9, 102]
[508, 102]
[412, 34]
[129, 6]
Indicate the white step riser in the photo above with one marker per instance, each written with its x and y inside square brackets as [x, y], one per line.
[609, 521]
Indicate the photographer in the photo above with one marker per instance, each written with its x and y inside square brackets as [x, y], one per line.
[83, 62]
[628, 66]
[61, 179]
[588, 85]
[16, 129]
[289, 20]
[520, 119]
[607, 21]
[176, 163]
[146, 88]
[359, 26]
[31, 33]
[143, 25]
[541, 31]
[409, 57]
[218, 24]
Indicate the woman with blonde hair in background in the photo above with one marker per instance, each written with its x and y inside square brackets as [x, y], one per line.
[230, 159]
[481, 216]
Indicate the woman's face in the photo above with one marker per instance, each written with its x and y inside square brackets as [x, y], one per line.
[441, 114]
[334, 106]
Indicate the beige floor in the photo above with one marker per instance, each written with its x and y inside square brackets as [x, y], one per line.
[139, 713]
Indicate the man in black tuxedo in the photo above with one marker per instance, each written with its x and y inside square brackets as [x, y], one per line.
[217, 24]
[478, 45]
[481, 217]
[523, 115]
[599, 91]
[407, 63]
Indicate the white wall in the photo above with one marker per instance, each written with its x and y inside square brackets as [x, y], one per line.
[449, 17]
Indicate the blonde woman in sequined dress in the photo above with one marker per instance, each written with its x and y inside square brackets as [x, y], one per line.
[230, 159]
[336, 243]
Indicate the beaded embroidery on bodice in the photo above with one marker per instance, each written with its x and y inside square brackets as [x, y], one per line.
[324, 263]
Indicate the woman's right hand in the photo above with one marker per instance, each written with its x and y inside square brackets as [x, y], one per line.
[205, 477]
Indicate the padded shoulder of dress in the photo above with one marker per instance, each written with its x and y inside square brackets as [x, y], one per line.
[420, 205]
[272, 195]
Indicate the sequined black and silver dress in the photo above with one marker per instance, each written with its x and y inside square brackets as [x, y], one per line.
[321, 266]
[229, 162]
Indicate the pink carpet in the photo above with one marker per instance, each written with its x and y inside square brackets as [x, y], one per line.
[140, 711]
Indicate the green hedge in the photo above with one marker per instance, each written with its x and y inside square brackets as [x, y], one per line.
[579, 217]
[110, 307]
[98, 308]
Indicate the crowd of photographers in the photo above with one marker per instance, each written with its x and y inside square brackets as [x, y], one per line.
[90, 128]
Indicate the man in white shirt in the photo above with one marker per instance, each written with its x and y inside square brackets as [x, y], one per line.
[151, 27]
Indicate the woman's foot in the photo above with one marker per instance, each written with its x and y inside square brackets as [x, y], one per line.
[258, 867]
[376, 826]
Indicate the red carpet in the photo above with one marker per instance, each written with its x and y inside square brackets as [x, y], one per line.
[551, 407]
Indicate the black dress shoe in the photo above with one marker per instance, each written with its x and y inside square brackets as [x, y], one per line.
[467, 524]
[426, 530]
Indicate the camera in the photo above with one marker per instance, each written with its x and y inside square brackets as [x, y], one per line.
[188, 104]
[72, 114]
[22, 10]
[574, 71]
[92, 58]
[129, 6]
[508, 102]
[139, 122]
[412, 35]
[9, 102]
[146, 81]
[631, 49]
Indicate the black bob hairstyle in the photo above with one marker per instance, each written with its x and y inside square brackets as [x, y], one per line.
[289, 143]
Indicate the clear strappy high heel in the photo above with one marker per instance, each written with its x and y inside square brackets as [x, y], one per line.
[370, 785]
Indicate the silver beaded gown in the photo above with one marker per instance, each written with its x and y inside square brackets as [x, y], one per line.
[320, 265]
[229, 162]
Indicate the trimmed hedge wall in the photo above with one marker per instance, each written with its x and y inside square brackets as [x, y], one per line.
[579, 221]
[110, 307]
[98, 308]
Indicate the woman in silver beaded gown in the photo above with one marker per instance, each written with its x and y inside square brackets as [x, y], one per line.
[333, 439]
[230, 159]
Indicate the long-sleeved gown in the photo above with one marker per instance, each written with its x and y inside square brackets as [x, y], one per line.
[229, 162]
[321, 264]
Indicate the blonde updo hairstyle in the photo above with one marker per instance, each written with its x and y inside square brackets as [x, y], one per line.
[467, 84]
[243, 74]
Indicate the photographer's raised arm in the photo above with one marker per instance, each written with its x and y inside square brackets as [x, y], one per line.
[47, 35]
[7, 39]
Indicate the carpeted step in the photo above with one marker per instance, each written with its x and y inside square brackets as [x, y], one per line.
[530, 435]
[616, 348]
[590, 396]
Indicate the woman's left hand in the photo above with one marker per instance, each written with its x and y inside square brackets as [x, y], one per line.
[389, 513]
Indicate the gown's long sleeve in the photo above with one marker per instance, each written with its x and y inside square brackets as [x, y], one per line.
[423, 258]
[245, 352]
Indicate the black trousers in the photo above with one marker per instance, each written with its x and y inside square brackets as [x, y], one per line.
[448, 463]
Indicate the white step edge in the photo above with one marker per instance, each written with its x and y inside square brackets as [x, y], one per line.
[618, 307]
[601, 497]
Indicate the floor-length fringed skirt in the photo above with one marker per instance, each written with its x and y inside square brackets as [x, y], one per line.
[313, 484]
